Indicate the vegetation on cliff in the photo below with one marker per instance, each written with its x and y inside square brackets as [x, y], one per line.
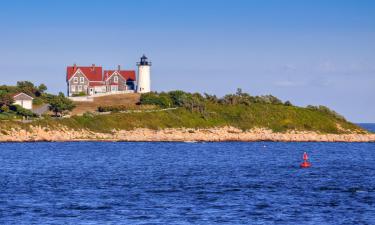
[59, 104]
[178, 109]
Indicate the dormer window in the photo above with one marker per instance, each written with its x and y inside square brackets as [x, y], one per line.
[115, 79]
[75, 80]
[81, 80]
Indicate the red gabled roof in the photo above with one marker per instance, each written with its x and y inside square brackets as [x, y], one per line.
[126, 74]
[93, 73]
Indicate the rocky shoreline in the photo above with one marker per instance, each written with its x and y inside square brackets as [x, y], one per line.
[35, 134]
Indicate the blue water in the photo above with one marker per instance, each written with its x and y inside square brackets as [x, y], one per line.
[368, 126]
[186, 183]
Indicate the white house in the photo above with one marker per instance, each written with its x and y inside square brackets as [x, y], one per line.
[23, 100]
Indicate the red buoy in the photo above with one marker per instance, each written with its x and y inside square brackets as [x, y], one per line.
[305, 163]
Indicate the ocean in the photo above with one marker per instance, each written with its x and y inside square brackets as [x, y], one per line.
[186, 183]
[368, 126]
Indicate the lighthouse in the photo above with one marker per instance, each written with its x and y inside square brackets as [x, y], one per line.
[144, 81]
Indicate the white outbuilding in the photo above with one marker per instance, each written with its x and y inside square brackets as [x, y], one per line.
[23, 100]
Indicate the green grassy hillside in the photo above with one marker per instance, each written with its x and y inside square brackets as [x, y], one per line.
[279, 118]
[196, 111]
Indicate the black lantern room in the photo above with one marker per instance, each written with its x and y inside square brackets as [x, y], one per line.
[144, 61]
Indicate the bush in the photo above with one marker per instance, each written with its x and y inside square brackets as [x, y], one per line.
[110, 109]
[6, 99]
[163, 100]
[79, 94]
[177, 97]
[288, 103]
[38, 101]
[22, 111]
[28, 88]
[4, 109]
[268, 99]
[117, 108]
[326, 110]
[59, 104]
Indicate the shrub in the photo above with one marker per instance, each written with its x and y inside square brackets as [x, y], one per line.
[4, 108]
[288, 103]
[28, 88]
[177, 97]
[163, 100]
[6, 99]
[59, 104]
[42, 88]
[22, 111]
[38, 101]
[268, 99]
[80, 94]
[120, 108]
[117, 108]
[88, 115]
[326, 110]
[211, 98]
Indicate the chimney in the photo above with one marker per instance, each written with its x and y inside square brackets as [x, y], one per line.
[74, 67]
[118, 67]
[93, 67]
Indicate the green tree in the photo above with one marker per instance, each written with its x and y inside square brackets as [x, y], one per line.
[8, 89]
[211, 98]
[177, 97]
[239, 92]
[194, 102]
[42, 88]
[6, 99]
[269, 99]
[288, 103]
[27, 87]
[60, 104]
[230, 99]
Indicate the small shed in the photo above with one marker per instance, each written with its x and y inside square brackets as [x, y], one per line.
[23, 100]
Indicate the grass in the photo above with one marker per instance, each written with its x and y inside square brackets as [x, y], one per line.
[278, 118]
[110, 100]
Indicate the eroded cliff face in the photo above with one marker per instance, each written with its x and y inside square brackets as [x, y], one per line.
[180, 134]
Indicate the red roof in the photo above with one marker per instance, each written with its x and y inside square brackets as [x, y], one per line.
[93, 73]
[126, 74]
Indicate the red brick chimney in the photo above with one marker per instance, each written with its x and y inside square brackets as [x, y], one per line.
[93, 67]
[74, 67]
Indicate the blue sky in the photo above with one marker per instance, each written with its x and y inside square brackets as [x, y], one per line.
[306, 51]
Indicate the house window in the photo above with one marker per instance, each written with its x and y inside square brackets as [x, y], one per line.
[79, 87]
[114, 88]
[115, 79]
[75, 80]
[73, 88]
[81, 80]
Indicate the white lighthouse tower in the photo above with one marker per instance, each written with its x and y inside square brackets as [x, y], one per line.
[144, 81]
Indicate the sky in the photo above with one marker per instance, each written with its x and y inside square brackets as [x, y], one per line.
[318, 52]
